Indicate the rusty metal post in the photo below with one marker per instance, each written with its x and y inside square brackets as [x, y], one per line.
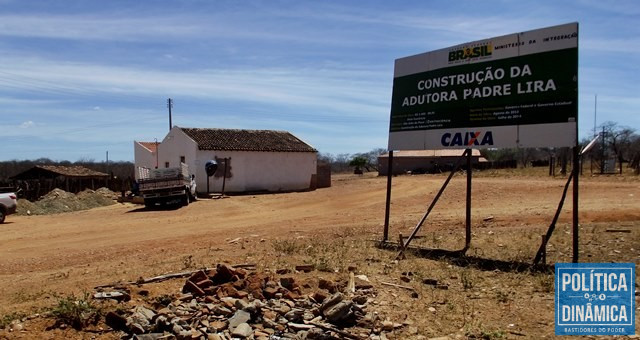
[224, 178]
[543, 246]
[387, 210]
[404, 245]
[467, 241]
[576, 176]
[552, 226]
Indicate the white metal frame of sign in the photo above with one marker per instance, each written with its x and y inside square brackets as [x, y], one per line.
[517, 90]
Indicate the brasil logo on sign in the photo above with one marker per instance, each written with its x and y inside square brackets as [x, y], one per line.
[595, 299]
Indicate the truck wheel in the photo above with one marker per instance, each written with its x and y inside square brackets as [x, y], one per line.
[2, 215]
[149, 204]
[185, 199]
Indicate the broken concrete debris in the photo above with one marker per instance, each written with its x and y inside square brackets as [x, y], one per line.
[233, 303]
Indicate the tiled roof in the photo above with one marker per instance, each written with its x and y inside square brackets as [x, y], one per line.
[432, 153]
[151, 146]
[58, 170]
[247, 140]
[74, 171]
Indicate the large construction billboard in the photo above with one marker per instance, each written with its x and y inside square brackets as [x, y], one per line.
[518, 90]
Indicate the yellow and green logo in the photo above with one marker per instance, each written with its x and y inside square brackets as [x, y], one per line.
[471, 52]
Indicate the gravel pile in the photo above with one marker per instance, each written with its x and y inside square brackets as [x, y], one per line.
[59, 201]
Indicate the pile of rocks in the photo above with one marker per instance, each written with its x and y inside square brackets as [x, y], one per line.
[230, 303]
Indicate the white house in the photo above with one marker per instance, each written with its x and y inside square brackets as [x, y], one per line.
[145, 154]
[259, 160]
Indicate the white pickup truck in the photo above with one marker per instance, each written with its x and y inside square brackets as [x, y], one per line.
[8, 205]
[164, 186]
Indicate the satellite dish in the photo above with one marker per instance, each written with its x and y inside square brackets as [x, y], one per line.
[211, 167]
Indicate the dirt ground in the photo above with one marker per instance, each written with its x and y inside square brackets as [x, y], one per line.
[45, 257]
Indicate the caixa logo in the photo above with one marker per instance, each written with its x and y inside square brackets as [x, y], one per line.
[467, 138]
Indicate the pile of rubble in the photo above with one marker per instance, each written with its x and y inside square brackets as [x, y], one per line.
[232, 303]
[58, 201]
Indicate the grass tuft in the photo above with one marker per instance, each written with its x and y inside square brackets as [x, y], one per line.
[77, 312]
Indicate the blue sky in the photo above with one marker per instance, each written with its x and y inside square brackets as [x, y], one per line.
[79, 78]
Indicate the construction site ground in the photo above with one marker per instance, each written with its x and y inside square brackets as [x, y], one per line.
[47, 256]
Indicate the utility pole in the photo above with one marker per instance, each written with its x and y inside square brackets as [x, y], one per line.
[108, 169]
[603, 152]
[595, 114]
[156, 152]
[170, 106]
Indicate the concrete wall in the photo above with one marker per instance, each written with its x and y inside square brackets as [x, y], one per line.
[143, 157]
[259, 171]
[324, 176]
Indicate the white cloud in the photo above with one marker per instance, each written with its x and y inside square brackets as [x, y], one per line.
[350, 91]
[93, 27]
[27, 124]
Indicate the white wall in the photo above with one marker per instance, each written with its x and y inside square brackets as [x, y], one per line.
[251, 170]
[177, 144]
[259, 171]
[143, 157]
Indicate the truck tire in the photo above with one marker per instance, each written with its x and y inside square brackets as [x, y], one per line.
[149, 203]
[185, 199]
[2, 215]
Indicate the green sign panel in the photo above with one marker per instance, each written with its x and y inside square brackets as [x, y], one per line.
[521, 89]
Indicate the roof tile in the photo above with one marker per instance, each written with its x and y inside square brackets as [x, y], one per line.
[247, 140]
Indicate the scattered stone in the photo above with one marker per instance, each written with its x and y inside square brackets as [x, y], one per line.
[362, 284]
[299, 326]
[115, 295]
[238, 318]
[288, 282]
[328, 285]
[319, 296]
[305, 268]
[16, 326]
[116, 321]
[243, 331]
[224, 303]
[340, 313]
[431, 282]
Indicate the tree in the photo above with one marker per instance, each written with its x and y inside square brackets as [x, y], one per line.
[358, 162]
[620, 139]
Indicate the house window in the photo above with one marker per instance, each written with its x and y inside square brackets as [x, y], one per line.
[166, 164]
[182, 159]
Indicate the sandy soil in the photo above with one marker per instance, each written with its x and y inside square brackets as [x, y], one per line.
[45, 256]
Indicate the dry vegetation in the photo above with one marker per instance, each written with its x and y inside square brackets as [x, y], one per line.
[491, 294]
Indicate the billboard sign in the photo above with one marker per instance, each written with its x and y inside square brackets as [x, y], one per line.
[518, 90]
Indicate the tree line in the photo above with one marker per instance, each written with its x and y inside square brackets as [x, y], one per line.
[615, 143]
